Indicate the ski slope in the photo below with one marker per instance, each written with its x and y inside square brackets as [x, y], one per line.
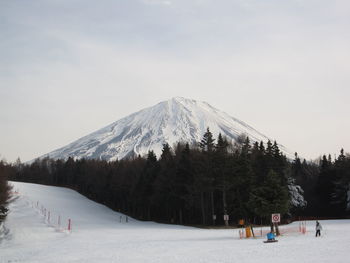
[97, 235]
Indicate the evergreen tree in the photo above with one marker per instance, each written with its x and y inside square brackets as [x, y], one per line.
[269, 149]
[221, 170]
[339, 198]
[207, 142]
[255, 149]
[262, 147]
[5, 172]
[145, 186]
[296, 167]
[270, 197]
[325, 187]
[164, 197]
[275, 150]
[246, 147]
[183, 185]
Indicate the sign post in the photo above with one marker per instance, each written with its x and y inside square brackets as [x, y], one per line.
[275, 219]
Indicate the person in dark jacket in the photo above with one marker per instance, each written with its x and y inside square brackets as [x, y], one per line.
[318, 229]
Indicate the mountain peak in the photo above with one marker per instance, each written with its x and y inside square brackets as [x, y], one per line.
[171, 121]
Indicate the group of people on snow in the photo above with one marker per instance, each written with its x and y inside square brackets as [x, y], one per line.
[271, 235]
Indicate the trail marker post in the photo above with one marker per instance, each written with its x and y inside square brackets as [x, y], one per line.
[241, 224]
[303, 227]
[275, 219]
[69, 225]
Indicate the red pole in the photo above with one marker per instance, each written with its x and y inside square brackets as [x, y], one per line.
[69, 225]
[303, 227]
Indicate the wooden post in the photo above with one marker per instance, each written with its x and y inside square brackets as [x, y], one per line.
[252, 229]
[277, 230]
[275, 219]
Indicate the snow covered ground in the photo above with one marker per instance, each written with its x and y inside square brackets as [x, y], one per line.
[98, 236]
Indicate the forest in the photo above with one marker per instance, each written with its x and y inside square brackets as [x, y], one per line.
[198, 184]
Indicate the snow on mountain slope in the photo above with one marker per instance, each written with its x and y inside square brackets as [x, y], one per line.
[99, 236]
[171, 121]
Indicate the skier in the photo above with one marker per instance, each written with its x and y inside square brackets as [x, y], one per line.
[318, 229]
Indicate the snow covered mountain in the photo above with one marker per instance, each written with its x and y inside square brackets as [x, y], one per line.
[177, 119]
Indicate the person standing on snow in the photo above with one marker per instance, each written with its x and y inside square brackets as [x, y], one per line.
[318, 229]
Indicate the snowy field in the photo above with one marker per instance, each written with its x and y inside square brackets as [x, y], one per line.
[98, 236]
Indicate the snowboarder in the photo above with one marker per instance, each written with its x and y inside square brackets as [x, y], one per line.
[270, 238]
[318, 229]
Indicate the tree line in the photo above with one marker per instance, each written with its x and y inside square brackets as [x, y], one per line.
[199, 184]
[6, 171]
[326, 185]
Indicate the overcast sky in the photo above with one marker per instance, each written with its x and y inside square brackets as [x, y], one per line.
[70, 67]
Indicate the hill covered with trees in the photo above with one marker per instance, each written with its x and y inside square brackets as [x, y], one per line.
[199, 184]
